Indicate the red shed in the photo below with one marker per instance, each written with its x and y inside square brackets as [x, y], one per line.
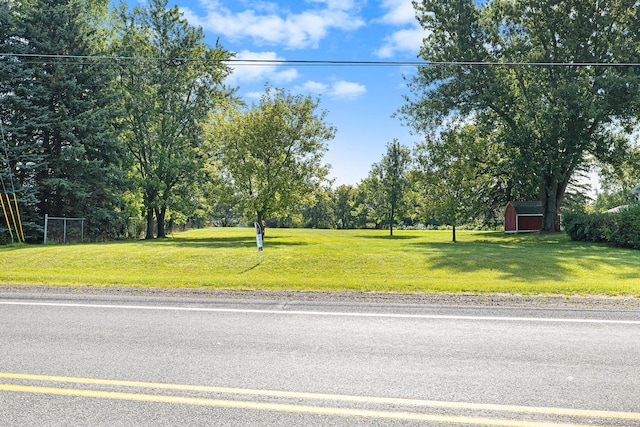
[521, 217]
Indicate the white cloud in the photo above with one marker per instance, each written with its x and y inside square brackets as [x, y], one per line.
[337, 4]
[248, 72]
[407, 40]
[347, 90]
[339, 89]
[254, 95]
[399, 12]
[267, 25]
[313, 87]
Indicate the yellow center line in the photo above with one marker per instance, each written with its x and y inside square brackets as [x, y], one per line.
[332, 397]
[316, 410]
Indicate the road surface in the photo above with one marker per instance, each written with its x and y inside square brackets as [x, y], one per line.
[123, 360]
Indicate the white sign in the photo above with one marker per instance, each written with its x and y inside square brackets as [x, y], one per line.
[259, 240]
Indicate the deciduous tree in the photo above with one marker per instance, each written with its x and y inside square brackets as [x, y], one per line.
[450, 175]
[389, 179]
[170, 82]
[272, 152]
[562, 94]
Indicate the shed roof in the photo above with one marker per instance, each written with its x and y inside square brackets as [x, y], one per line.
[528, 208]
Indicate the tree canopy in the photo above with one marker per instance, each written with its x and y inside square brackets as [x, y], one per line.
[452, 175]
[166, 102]
[272, 152]
[59, 124]
[388, 183]
[562, 95]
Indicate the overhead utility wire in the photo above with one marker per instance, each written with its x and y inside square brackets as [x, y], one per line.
[307, 62]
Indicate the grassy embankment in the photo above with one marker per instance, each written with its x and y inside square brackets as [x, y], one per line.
[334, 260]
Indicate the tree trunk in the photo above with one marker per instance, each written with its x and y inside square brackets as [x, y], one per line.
[391, 222]
[149, 233]
[454, 233]
[552, 197]
[160, 214]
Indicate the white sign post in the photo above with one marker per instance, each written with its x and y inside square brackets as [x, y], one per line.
[259, 241]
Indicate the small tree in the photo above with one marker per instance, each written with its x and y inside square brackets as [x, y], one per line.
[450, 175]
[272, 152]
[390, 182]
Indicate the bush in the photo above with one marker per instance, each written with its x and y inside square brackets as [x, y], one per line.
[620, 229]
[627, 231]
[586, 226]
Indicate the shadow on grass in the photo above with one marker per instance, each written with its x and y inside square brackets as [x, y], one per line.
[523, 259]
[387, 237]
[250, 268]
[224, 242]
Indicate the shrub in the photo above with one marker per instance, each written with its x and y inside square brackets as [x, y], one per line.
[627, 231]
[620, 229]
[586, 226]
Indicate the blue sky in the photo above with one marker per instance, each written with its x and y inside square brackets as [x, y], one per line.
[359, 100]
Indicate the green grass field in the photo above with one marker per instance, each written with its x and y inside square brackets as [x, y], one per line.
[335, 260]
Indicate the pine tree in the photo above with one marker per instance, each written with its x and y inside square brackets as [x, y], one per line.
[20, 155]
[82, 175]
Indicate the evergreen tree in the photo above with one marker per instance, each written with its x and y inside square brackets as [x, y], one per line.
[20, 155]
[82, 174]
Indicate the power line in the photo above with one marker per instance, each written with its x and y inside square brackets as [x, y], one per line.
[316, 63]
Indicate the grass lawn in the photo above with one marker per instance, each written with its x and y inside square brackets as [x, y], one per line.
[335, 260]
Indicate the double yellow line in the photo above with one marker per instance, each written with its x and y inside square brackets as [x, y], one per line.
[308, 409]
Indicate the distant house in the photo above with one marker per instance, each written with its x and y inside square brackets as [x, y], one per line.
[523, 217]
[636, 190]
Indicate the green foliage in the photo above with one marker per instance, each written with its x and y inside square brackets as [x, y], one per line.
[343, 205]
[451, 177]
[627, 228]
[620, 228]
[388, 185]
[618, 178]
[20, 154]
[588, 226]
[272, 152]
[64, 146]
[319, 212]
[165, 103]
[550, 119]
[606, 200]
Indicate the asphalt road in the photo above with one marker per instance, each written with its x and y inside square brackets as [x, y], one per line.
[127, 360]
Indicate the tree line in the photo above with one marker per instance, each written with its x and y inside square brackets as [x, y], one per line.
[119, 115]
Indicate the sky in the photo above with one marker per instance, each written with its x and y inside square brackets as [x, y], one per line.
[359, 100]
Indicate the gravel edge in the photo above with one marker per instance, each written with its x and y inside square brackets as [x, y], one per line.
[483, 300]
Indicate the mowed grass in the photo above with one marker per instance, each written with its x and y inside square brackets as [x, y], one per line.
[335, 260]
